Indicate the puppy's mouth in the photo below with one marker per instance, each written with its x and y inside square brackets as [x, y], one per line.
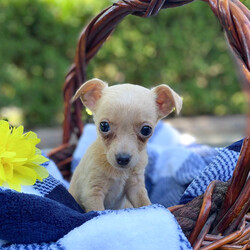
[121, 167]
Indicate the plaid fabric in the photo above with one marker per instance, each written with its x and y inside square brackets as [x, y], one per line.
[220, 168]
[45, 216]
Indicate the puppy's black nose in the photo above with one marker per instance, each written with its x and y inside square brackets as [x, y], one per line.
[123, 159]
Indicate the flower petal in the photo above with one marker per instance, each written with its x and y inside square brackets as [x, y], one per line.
[2, 173]
[15, 184]
[7, 154]
[17, 132]
[32, 137]
[4, 131]
[38, 159]
[42, 172]
[8, 169]
[26, 175]
[22, 148]
[18, 160]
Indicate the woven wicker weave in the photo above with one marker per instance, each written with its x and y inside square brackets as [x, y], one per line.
[228, 220]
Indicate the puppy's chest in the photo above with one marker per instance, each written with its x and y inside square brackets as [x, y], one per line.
[114, 198]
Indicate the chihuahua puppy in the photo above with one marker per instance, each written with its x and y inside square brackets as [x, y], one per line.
[112, 170]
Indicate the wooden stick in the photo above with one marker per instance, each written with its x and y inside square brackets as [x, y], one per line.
[204, 232]
[236, 212]
[204, 212]
[225, 240]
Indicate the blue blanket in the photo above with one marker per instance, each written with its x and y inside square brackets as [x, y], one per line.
[45, 216]
[49, 218]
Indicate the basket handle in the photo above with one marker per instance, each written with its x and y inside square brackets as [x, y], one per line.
[234, 17]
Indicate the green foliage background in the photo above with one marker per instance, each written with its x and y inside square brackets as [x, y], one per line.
[183, 47]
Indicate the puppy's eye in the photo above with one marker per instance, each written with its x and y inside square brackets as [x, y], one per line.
[104, 127]
[146, 130]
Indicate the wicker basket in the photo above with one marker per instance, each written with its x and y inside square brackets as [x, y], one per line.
[228, 220]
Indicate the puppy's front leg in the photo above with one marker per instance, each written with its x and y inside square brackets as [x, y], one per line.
[92, 200]
[137, 193]
[138, 197]
[94, 203]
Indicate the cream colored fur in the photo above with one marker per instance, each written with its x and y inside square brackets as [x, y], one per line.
[99, 182]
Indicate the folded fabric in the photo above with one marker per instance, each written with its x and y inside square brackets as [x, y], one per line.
[45, 216]
[220, 168]
[87, 138]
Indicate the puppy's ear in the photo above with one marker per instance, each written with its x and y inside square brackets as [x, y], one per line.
[167, 100]
[90, 92]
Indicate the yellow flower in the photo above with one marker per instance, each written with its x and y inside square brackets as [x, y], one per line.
[19, 158]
